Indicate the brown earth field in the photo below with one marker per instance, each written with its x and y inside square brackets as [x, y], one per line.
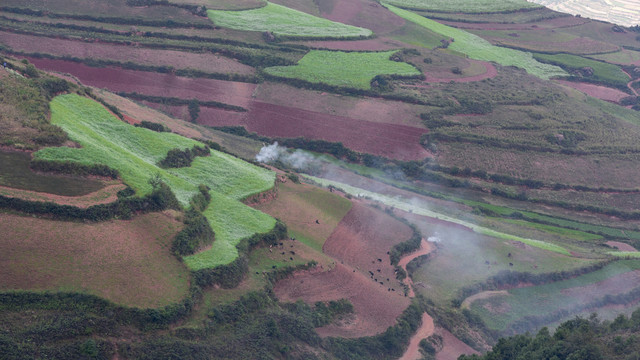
[621, 246]
[363, 239]
[363, 13]
[424, 331]
[126, 261]
[581, 45]
[555, 23]
[393, 141]
[103, 196]
[155, 84]
[453, 347]
[425, 249]
[375, 308]
[376, 44]
[208, 116]
[490, 72]
[207, 62]
[596, 91]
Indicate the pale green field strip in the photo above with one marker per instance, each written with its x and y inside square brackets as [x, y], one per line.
[478, 48]
[282, 20]
[623, 57]
[408, 205]
[351, 69]
[601, 71]
[134, 152]
[466, 6]
[624, 254]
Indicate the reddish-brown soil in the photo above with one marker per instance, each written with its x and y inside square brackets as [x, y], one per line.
[377, 44]
[579, 45]
[490, 72]
[393, 141]
[156, 84]
[560, 22]
[453, 347]
[363, 239]
[614, 285]
[425, 248]
[125, 261]
[207, 62]
[208, 115]
[367, 14]
[375, 308]
[596, 91]
[103, 196]
[621, 246]
[424, 331]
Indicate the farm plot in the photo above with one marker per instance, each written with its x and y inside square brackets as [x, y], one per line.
[206, 62]
[105, 195]
[393, 141]
[124, 261]
[623, 57]
[563, 297]
[361, 13]
[281, 20]
[465, 6]
[479, 49]
[623, 12]
[154, 84]
[349, 69]
[134, 152]
[596, 91]
[600, 71]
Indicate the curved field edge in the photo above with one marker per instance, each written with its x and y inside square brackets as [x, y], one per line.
[134, 153]
[466, 6]
[478, 48]
[282, 20]
[407, 205]
[348, 69]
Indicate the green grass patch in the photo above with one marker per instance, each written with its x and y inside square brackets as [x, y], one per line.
[574, 234]
[349, 69]
[134, 152]
[465, 6]
[282, 20]
[619, 57]
[477, 48]
[602, 72]
[625, 254]
[417, 35]
[547, 298]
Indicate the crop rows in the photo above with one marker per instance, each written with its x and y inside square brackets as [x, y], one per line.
[465, 6]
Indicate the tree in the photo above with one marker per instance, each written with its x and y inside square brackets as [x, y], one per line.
[194, 110]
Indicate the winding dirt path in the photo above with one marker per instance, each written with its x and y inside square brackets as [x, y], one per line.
[425, 248]
[424, 331]
[482, 295]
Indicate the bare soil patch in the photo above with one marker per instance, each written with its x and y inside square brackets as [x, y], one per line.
[363, 239]
[208, 115]
[453, 347]
[125, 261]
[375, 308]
[490, 72]
[621, 246]
[424, 331]
[103, 196]
[393, 141]
[366, 14]
[207, 62]
[596, 91]
[156, 84]
[425, 248]
[377, 44]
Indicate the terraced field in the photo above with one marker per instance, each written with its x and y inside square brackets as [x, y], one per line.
[134, 152]
[623, 12]
[281, 20]
[477, 48]
[465, 6]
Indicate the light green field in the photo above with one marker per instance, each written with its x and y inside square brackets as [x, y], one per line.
[477, 48]
[608, 73]
[282, 20]
[408, 205]
[465, 6]
[547, 298]
[135, 151]
[351, 69]
[623, 57]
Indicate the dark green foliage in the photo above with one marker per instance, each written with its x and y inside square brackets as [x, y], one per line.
[178, 102]
[177, 158]
[73, 168]
[53, 86]
[294, 177]
[325, 313]
[196, 233]
[405, 247]
[157, 127]
[194, 110]
[31, 71]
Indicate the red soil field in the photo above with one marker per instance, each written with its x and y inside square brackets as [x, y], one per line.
[453, 347]
[393, 141]
[377, 44]
[125, 261]
[621, 246]
[596, 91]
[207, 62]
[366, 14]
[424, 331]
[362, 240]
[375, 308]
[425, 248]
[579, 45]
[103, 196]
[150, 83]
[555, 23]
[208, 116]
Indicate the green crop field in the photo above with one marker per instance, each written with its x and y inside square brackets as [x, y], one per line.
[620, 57]
[134, 152]
[547, 298]
[351, 69]
[607, 73]
[282, 20]
[465, 6]
[477, 48]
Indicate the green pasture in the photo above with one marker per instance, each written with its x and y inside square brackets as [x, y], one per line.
[477, 48]
[465, 6]
[282, 20]
[619, 57]
[350, 69]
[603, 72]
[547, 298]
[135, 151]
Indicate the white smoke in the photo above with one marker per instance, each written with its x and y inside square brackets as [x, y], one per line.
[298, 159]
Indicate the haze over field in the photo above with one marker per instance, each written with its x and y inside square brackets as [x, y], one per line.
[621, 12]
